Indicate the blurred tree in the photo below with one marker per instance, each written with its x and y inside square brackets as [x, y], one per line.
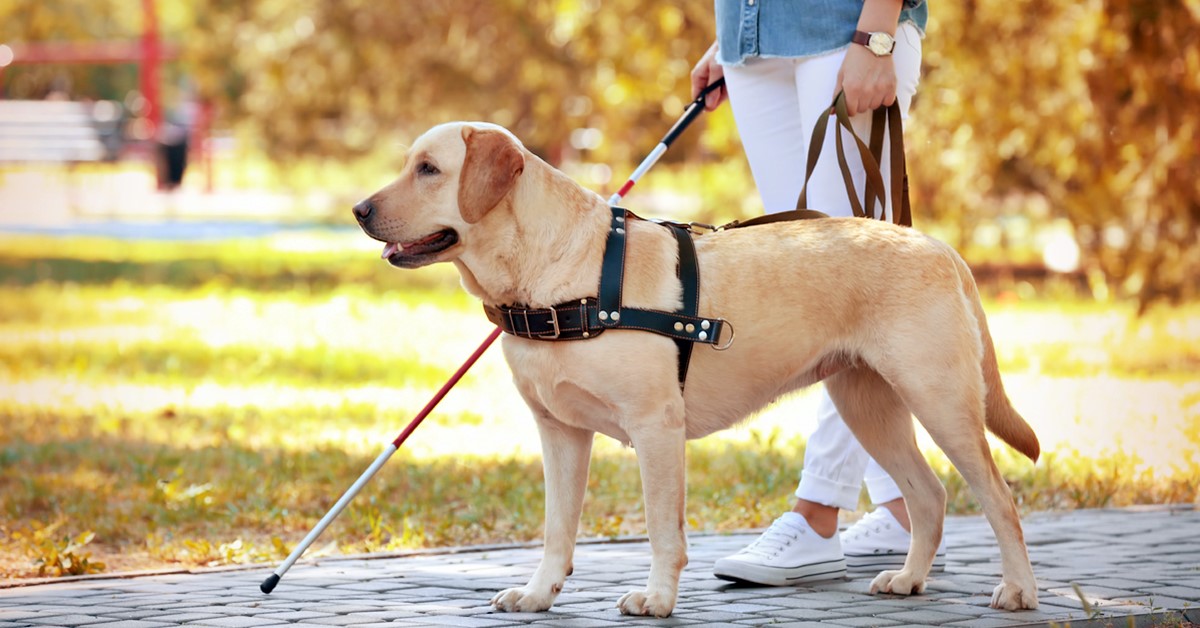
[1080, 110]
[25, 21]
[336, 78]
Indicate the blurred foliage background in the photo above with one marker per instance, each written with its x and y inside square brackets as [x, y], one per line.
[1079, 117]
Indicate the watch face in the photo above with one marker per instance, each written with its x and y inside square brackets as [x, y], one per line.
[881, 44]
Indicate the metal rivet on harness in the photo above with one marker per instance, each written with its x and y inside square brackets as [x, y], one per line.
[703, 335]
[690, 328]
[603, 315]
[620, 219]
[678, 326]
[616, 316]
[620, 231]
[586, 335]
[704, 325]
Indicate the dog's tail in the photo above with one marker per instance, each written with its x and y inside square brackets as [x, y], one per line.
[1000, 417]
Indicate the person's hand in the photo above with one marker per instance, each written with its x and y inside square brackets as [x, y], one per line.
[869, 81]
[707, 71]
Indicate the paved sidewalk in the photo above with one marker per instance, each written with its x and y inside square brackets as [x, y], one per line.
[1135, 567]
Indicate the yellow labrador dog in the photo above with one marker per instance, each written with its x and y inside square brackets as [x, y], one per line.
[889, 318]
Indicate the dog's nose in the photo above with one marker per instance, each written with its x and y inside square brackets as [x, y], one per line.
[364, 209]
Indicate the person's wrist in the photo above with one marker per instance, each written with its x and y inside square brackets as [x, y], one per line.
[879, 43]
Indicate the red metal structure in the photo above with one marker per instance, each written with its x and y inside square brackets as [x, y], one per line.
[148, 53]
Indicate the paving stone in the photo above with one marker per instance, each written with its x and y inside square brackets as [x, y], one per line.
[987, 622]
[1159, 602]
[467, 622]
[133, 623]
[391, 615]
[923, 616]
[180, 618]
[1177, 591]
[236, 621]
[578, 622]
[862, 621]
[65, 621]
[809, 614]
[347, 620]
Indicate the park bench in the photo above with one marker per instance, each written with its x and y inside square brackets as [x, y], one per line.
[59, 132]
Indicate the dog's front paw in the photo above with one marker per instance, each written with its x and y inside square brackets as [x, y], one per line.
[643, 603]
[522, 600]
[1012, 597]
[900, 582]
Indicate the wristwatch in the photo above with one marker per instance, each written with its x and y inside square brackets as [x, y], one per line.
[880, 44]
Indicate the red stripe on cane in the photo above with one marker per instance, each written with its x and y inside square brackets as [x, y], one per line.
[625, 188]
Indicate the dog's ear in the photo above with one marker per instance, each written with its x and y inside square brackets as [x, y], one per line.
[490, 170]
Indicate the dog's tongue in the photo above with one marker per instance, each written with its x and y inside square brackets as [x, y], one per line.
[390, 250]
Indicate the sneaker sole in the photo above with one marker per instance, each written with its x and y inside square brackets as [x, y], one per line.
[737, 571]
[877, 562]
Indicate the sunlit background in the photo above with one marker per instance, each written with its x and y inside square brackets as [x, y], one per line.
[199, 351]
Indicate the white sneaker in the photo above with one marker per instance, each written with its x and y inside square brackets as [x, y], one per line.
[788, 553]
[878, 541]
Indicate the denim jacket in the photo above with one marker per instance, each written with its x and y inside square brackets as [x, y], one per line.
[793, 28]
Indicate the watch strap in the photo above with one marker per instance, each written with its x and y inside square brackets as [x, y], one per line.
[863, 38]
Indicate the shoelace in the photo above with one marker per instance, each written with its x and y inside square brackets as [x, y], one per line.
[777, 537]
[875, 522]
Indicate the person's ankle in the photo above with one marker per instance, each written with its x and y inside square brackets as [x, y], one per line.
[821, 518]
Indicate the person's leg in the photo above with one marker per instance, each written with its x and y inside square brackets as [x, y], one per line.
[886, 530]
[775, 107]
[816, 80]
[766, 109]
[802, 547]
[775, 126]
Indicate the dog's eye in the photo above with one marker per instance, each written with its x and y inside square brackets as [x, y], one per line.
[427, 168]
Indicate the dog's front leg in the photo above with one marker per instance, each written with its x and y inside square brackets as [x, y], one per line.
[566, 452]
[660, 454]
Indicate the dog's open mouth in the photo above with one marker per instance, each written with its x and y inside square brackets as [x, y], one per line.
[418, 252]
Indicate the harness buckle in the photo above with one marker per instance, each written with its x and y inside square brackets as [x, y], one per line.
[554, 322]
[695, 227]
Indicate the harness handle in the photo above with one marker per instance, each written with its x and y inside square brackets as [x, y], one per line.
[871, 156]
[884, 117]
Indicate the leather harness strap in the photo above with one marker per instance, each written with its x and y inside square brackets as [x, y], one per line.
[588, 317]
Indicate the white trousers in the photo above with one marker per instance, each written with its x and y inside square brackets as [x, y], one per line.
[775, 104]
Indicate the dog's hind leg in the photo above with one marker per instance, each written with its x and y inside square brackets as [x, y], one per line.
[884, 427]
[566, 453]
[951, 409]
[973, 459]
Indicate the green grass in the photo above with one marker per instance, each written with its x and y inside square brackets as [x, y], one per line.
[205, 403]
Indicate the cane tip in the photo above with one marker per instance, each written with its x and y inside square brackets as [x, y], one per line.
[268, 585]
